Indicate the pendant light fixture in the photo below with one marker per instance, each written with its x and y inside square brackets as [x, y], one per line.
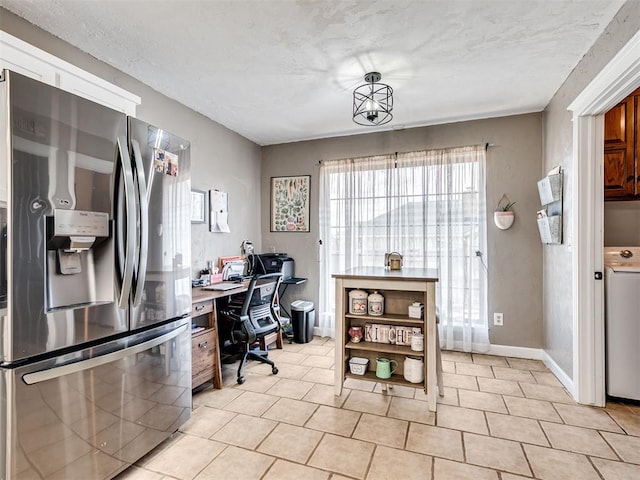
[372, 102]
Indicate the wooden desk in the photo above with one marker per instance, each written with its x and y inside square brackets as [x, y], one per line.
[205, 348]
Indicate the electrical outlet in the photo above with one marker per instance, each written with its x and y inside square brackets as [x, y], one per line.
[497, 319]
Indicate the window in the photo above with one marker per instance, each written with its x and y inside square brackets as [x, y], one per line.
[427, 205]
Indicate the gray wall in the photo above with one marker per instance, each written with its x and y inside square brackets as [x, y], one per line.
[220, 158]
[621, 224]
[558, 149]
[513, 167]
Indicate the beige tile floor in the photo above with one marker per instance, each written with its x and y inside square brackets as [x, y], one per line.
[500, 419]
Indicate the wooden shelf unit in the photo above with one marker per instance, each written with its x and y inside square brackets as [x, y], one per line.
[400, 289]
[383, 348]
[388, 318]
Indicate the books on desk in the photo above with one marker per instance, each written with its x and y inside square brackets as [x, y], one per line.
[223, 286]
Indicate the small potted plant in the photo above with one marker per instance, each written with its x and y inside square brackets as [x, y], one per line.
[504, 215]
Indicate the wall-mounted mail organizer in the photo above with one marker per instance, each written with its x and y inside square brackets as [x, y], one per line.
[550, 217]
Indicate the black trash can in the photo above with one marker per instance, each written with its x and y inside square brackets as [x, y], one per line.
[303, 318]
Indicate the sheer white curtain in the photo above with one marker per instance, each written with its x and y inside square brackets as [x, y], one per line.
[350, 192]
[427, 205]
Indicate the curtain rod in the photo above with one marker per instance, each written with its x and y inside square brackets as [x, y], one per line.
[487, 146]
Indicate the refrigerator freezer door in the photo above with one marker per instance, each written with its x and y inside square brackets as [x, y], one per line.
[98, 410]
[62, 153]
[162, 284]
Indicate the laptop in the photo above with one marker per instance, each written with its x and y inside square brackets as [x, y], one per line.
[223, 286]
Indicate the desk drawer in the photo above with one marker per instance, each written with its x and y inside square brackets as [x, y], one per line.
[201, 308]
[203, 357]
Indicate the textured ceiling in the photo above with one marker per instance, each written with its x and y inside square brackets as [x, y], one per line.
[281, 70]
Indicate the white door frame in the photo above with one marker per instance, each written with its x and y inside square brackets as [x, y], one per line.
[618, 79]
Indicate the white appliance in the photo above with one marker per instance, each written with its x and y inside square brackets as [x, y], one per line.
[622, 319]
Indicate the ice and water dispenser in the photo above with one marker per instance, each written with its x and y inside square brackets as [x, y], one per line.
[79, 259]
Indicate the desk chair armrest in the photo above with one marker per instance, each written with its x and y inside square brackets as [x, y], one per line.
[240, 324]
[233, 315]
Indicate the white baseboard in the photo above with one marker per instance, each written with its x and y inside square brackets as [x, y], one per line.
[516, 352]
[317, 333]
[535, 354]
[560, 374]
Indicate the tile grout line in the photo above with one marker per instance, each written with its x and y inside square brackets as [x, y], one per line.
[406, 436]
[464, 448]
[265, 473]
[526, 457]
[617, 423]
[355, 427]
[370, 462]
[613, 449]
[433, 468]
[315, 449]
[544, 432]
[595, 468]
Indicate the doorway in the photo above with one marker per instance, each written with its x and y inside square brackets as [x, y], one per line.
[617, 80]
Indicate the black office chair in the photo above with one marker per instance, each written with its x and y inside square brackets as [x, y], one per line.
[252, 317]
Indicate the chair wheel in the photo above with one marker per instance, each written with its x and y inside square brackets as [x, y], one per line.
[274, 370]
[240, 380]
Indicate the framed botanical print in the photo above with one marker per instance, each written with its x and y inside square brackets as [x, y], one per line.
[290, 203]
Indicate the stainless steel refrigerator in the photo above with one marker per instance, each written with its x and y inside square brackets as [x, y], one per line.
[95, 288]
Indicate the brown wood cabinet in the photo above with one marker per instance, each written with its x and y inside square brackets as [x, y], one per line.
[203, 356]
[205, 363]
[622, 150]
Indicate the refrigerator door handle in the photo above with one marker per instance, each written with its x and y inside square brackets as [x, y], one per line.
[143, 205]
[127, 172]
[56, 372]
[119, 224]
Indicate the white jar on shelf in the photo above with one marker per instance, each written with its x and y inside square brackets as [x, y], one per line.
[376, 304]
[413, 369]
[357, 302]
[415, 310]
[417, 342]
